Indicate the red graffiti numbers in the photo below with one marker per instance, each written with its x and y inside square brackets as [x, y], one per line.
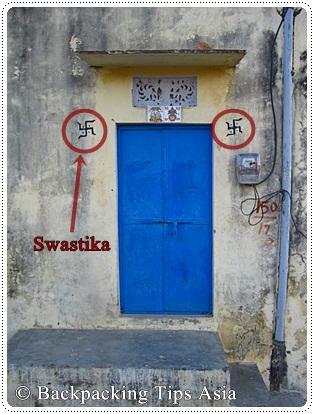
[266, 227]
[265, 212]
[265, 207]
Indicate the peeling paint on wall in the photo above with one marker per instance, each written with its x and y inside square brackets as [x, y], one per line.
[14, 275]
[47, 81]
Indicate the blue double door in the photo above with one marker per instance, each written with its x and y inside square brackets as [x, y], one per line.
[165, 219]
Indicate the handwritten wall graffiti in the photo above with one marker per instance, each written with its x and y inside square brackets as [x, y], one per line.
[267, 213]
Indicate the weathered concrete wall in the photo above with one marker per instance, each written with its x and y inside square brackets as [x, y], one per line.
[296, 332]
[46, 81]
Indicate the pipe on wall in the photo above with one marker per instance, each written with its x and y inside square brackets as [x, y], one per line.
[286, 177]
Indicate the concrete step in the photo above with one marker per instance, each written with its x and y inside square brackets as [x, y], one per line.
[249, 386]
[117, 368]
[251, 391]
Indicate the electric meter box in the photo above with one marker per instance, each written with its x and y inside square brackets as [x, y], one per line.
[248, 168]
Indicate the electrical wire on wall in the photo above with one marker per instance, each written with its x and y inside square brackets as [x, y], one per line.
[260, 201]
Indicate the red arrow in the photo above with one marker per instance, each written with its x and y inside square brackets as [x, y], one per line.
[270, 240]
[80, 161]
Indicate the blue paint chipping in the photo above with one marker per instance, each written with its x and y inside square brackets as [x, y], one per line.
[165, 219]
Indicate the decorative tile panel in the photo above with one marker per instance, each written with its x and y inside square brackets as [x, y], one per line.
[176, 91]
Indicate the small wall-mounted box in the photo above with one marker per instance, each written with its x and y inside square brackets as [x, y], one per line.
[248, 168]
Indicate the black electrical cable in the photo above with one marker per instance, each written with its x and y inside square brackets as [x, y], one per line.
[272, 98]
[260, 204]
[258, 201]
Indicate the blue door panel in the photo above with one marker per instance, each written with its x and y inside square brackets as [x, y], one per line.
[189, 175]
[189, 269]
[141, 187]
[165, 219]
[142, 285]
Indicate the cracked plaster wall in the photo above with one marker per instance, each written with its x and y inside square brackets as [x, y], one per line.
[296, 332]
[47, 81]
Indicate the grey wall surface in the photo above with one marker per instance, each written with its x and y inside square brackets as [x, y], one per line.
[47, 81]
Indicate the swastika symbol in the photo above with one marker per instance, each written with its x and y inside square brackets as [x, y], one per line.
[86, 129]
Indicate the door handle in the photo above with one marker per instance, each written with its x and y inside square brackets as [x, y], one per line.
[153, 222]
[175, 229]
[164, 222]
[174, 225]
